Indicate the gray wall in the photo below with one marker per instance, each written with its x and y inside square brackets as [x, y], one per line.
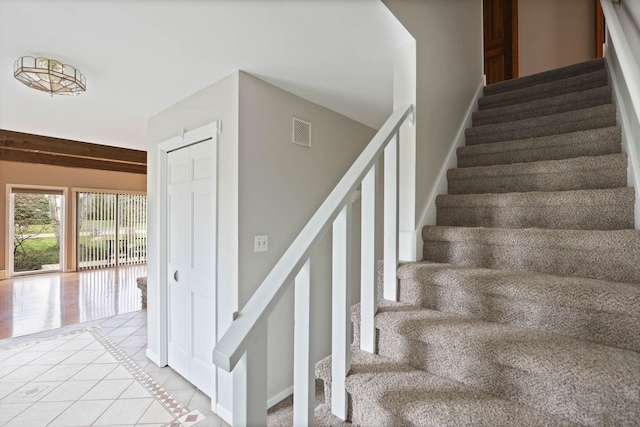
[449, 70]
[553, 34]
[280, 187]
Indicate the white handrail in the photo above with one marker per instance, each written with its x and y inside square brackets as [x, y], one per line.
[239, 342]
[628, 60]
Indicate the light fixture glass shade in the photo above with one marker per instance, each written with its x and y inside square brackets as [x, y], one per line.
[49, 75]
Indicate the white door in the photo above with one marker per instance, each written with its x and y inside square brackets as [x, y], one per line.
[191, 219]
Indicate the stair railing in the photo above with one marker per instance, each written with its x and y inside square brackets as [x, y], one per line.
[627, 58]
[243, 348]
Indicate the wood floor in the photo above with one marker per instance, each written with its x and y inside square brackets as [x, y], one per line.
[40, 302]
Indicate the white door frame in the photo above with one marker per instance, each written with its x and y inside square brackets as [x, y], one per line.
[9, 230]
[209, 131]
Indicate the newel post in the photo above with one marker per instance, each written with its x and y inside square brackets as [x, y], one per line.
[250, 382]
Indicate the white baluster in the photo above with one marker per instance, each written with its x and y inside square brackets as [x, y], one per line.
[341, 302]
[368, 289]
[391, 219]
[303, 368]
[250, 383]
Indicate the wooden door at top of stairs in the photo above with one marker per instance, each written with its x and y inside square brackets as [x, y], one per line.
[191, 219]
[500, 39]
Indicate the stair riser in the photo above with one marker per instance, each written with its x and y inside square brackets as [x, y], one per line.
[545, 77]
[506, 157]
[327, 399]
[367, 413]
[556, 105]
[620, 266]
[613, 329]
[384, 392]
[548, 90]
[589, 179]
[521, 130]
[604, 217]
[479, 369]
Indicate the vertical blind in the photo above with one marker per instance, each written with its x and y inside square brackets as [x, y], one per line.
[111, 229]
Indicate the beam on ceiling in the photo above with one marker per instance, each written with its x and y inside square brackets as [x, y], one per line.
[47, 144]
[29, 148]
[67, 161]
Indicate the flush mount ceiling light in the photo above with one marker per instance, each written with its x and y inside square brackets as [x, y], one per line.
[49, 75]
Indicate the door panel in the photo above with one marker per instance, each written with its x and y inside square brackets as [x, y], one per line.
[178, 261]
[500, 39]
[191, 198]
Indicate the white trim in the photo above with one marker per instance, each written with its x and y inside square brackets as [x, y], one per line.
[627, 59]
[277, 398]
[154, 357]
[209, 131]
[105, 190]
[408, 250]
[224, 414]
[9, 228]
[626, 116]
[428, 216]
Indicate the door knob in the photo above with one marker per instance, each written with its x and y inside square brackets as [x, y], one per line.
[175, 276]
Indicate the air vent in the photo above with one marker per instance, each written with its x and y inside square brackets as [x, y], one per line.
[301, 132]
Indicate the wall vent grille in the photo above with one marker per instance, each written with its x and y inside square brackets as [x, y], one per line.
[301, 134]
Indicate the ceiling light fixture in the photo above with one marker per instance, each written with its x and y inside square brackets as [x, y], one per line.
[49, 75]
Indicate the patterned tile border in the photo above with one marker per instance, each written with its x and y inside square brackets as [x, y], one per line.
[182, 416]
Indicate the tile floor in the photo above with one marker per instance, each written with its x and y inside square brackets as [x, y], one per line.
[82, 378]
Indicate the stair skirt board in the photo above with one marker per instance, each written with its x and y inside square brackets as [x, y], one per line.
[526, 308]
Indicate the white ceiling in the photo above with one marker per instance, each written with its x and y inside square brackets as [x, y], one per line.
[142, 56]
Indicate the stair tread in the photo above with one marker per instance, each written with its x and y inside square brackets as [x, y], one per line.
[592, 197]
[571, 121]
[543, 166]
[418, 397]
[599, 141]
[322, 414]
[589, 382]
[551, 75]
[599, 209]
[589, 309]
[621, 240]
[544, 107]
[593, 364]
[597, 254]
[543, 90]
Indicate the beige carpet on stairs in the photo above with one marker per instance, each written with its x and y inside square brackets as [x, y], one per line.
[526, 308]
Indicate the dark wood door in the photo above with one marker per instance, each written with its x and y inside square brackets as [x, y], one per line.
[500, 39]
[600, 31]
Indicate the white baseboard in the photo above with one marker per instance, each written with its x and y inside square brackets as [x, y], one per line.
[428, 216]
[280, 396]
[627, 117]
[224, 414]
[228, 416]
[154, 357]
[408, 246]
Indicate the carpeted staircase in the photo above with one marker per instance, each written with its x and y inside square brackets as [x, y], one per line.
[526, 310]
